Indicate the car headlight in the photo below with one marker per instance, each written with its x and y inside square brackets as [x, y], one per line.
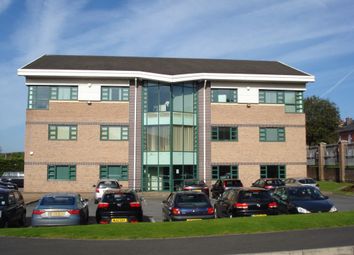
[302, 210]
[333, 209]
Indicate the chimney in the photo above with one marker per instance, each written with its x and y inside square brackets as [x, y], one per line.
[348, 121]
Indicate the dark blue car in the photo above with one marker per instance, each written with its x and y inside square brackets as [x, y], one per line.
[187, 206]
[302, 199]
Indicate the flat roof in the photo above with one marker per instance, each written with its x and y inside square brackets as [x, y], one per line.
[167, 66]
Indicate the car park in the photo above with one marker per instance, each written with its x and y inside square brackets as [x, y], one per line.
[60, 209]
[195, 185]
[268, 183]
[12, 208]
[302, 199]
[8, 185]
[119, 206]
[302, 181]
[103, 185]
[245, 202]
[16, 177]
[187, 206]
[221, 185]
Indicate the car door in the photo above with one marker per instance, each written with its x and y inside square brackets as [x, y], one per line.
[167, 206]
[12, 211]
[281, 197]
[83, 207]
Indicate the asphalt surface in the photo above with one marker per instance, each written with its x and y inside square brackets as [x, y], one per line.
[233, 244]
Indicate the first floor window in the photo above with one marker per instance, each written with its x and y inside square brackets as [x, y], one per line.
[114, 133]
[115, 93]
[119, 172]
[224, 133]
[63, 92]
[224, 171]
[38, 97]
[272, 134]
[273, 171]
[224, 95]
[62, 132]
[61, 172]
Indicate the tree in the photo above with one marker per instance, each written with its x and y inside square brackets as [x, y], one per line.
[322, 120]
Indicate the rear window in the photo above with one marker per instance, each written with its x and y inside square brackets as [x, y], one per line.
[108, 184]
[233, 183]
[253, 195]
[58, 200]
[118, 198]
[275, 182]
[307, 181]
[3, 199]
[186, 200]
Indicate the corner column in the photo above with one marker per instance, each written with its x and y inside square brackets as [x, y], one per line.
[342, 159]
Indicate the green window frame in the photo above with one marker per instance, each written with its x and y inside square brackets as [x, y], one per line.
[62, 132]
[224, 133]
[224, 95]
[293, 100]
[119, 172]
[38, 97]
[114, 93]
[271, 97]
[114, 133]
[281, 171]
[272, 134]
[61, 172]
[63, 92]
[228, 171]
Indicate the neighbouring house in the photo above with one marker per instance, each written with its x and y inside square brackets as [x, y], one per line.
[346, 131]
[154, 122]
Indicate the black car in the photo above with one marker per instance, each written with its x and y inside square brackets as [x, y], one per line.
[14, 177]
[187, 206]
[8, 185]
[119, 206]
[245, 202]
[12, 208]
[268, 183]
[302, 199]
[221, 185]
[195, 185]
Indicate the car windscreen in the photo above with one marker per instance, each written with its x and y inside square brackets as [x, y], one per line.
[233, 183]
[108, 184]
[191, 200]
[307, 181]
[253, 195]
[118, 198]
[305, 193]
[275, 182]
[3, 199]
[58, 200]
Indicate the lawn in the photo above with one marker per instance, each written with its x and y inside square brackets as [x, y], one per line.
[335, 187]
[189, 229]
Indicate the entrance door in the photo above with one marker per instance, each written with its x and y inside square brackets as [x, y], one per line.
[156, 178]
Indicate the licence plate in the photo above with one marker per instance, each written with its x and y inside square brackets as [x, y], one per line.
[119, 220]
[198, 190]
[259, 215]
[193, 219]
[56, 214]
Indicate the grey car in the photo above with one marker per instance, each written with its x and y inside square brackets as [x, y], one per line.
[60, 209]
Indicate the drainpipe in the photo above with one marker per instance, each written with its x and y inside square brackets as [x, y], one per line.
[204, 132]
[134, 162]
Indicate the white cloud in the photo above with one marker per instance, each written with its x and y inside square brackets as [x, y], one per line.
[4, 4]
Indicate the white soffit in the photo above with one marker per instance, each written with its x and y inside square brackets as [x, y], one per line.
[164, 77]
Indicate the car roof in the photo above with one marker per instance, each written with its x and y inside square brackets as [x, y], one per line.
[188, 192]
[69, 194]
[249, 188]
[117, 191]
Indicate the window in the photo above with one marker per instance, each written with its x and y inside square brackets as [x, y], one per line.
[271, 97]
[115, 93]
[63, 93]
[62, 172]
[62, 132]
[225, 172]
[272, 134]
[273, 171]
[224, 134]
[114, 172]
[114, 133]
[183, 138]
[224, 95]
[38, 97]
[293, 100]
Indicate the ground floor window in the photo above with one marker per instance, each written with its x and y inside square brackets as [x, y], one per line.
[224, 171]
[119, 172]
[61, 172]
[273, 171]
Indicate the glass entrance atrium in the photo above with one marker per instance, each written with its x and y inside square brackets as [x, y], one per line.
[169, 135]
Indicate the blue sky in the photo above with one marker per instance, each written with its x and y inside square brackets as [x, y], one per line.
[316, 36]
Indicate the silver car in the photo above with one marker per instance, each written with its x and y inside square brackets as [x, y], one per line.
[60, 209]
[103, 185]
[301, 181]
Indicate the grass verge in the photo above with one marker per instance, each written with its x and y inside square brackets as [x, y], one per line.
[189, 229]
[335, 187]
